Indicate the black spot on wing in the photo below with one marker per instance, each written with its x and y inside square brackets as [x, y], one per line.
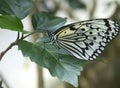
[94, 38]
[91, 43]
[72, 28]
[83, 29]
[108, 25]
[91, 32]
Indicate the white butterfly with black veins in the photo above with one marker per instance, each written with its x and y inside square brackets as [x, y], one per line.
[86, 39]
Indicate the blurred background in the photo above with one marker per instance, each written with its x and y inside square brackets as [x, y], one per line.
[19, 72]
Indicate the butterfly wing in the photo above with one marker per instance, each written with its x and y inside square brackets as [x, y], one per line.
[86, 40]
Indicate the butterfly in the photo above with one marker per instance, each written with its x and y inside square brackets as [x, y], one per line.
[86, 39]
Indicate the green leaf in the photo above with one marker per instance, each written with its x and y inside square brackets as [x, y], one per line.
[65, 67]
[11, 23]
[43, 22]
[76, 4]
[20, 8]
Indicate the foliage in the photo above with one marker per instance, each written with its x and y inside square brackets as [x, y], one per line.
[63, 66]
[43, 22]
[11, 23]
[57, 61]
[20, 8]
[76, 4]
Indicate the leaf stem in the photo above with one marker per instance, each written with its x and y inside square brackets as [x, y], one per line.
[23, 37]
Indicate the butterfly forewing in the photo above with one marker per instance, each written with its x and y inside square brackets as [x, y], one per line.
[87, 39]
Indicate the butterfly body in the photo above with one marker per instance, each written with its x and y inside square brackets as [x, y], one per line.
[86, 39]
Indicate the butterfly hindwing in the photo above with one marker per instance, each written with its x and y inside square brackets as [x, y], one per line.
[87, 39]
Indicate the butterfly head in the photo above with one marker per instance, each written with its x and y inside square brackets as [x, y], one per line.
[52, 37]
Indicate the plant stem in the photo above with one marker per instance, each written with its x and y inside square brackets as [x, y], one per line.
[9, 47]
[23, 37]
[14, 43]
